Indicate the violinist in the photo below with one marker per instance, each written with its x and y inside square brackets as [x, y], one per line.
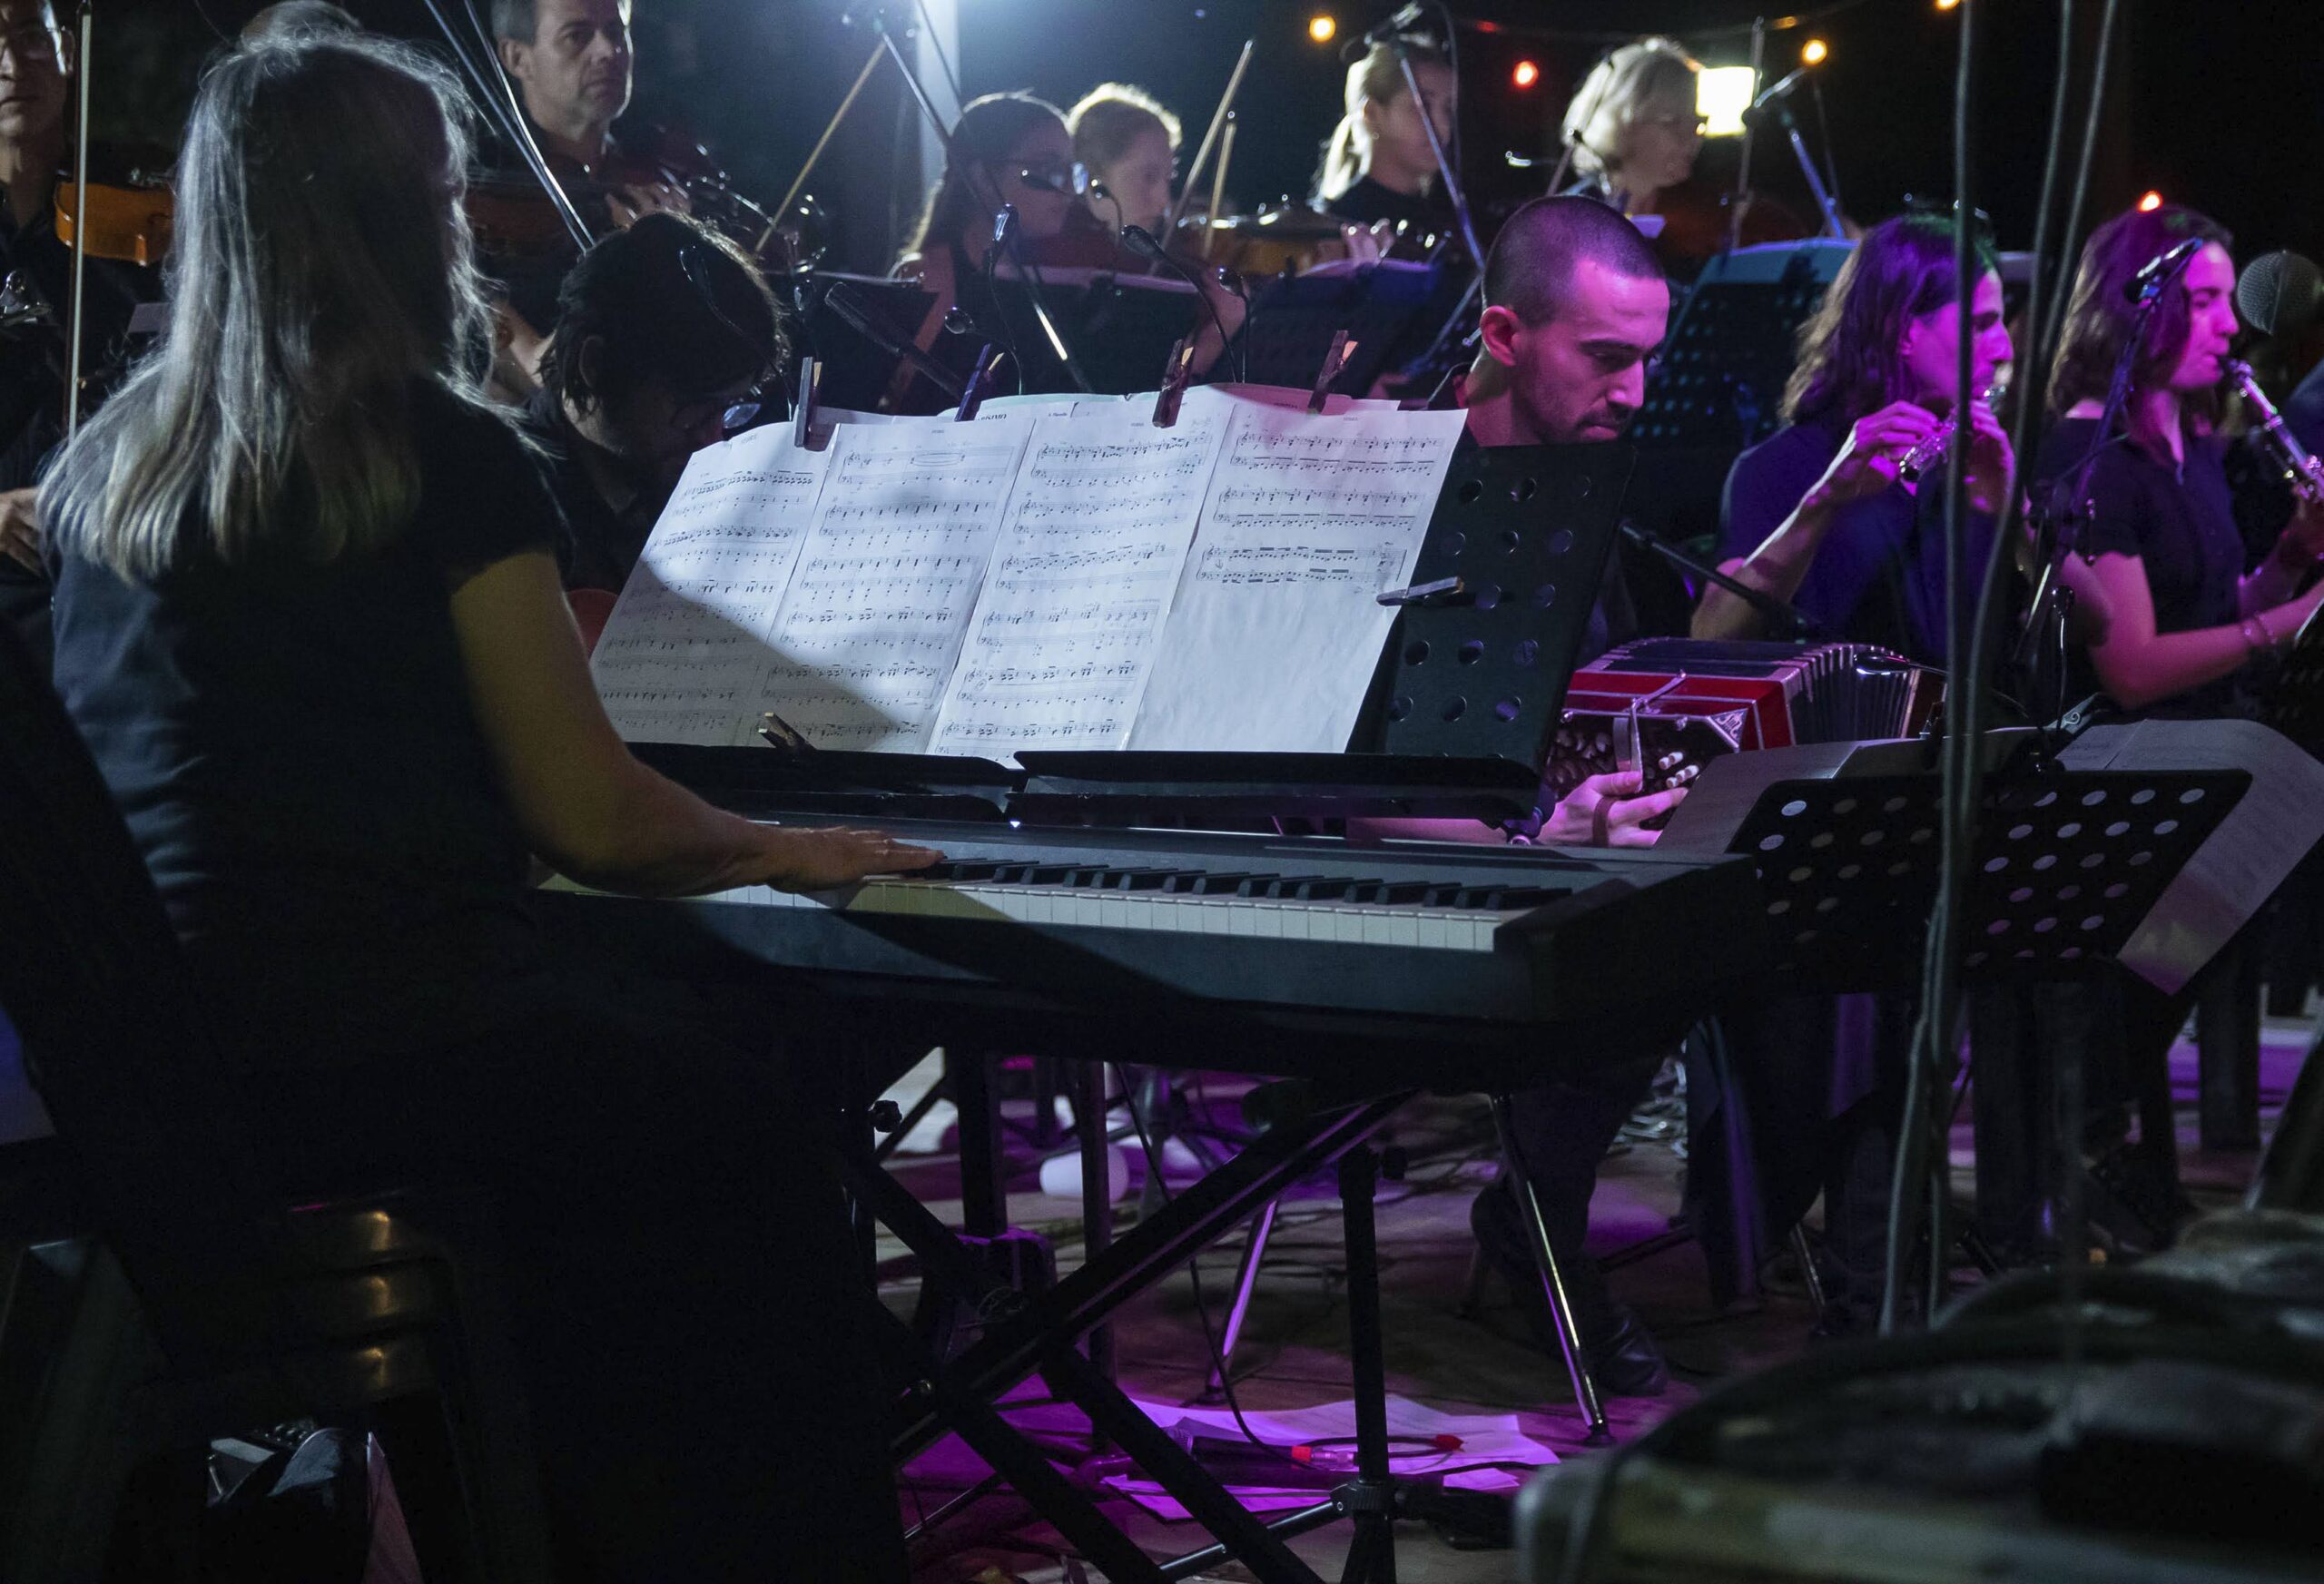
[1378, 167]
[1128, 143]
[571, 63]
[1009, 183]
[1632, 127]
[35, 90]
[661, 330]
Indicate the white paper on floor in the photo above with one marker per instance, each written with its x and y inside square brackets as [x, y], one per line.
[1486, 1439]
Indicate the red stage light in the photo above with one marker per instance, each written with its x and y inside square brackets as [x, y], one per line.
[2149, 203]
[1525, 74]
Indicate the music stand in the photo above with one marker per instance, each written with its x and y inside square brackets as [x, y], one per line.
[1292, 318]
[1480, 671]
[1718, 382]
[856, 372]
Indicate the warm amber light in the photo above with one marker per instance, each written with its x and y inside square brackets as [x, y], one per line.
[1947, 4]
[1525, 74]
[1812, 51]
[2149, 203]
[1323, 29]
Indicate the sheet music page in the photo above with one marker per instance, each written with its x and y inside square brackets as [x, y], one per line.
[1277, 630]
[684, 650]
[1065, 630]
[871, 627]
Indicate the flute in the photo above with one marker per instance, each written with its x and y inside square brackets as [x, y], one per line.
[1925, 456]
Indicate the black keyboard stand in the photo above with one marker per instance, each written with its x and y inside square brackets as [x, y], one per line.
[1037, 1335]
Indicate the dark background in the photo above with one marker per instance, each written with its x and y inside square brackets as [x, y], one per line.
[2215, 102]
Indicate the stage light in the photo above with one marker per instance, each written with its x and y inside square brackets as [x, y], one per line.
[1323, 29]
[1722, 93]
[1525, 74]
[1947, 4]
[1814, 53]
[2150, 202]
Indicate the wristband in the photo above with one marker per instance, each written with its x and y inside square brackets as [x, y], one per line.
[2256, 636]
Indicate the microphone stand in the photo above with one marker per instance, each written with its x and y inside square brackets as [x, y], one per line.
[1775, 102]
[1789, 618]
[1436, 147]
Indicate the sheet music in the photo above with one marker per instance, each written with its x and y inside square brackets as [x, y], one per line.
[870, 628]
[685, 645]
[1066, 628]
[1277, 630]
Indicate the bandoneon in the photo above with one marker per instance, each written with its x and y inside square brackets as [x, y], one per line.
[1636, 707]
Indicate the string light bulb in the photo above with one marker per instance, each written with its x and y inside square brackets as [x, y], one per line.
[1525, 73]
[2151, 201]
[1814, 53]
[1948, 5]
[1323, 27]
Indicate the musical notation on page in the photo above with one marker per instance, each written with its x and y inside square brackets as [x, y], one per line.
[1274, 631]
[869, 629]
[685, 645]
[1057, 651]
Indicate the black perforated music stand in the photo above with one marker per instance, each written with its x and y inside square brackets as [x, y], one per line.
[1482, 672]
[2068, 865]
[1294, 318]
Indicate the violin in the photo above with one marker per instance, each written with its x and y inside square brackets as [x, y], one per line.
[1697, 219]
[1287, 241]
[129, 223]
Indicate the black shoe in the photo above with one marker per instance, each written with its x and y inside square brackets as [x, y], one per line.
[1627, 1362]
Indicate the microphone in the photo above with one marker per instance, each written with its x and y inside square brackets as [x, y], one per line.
[2280, 294]
[1782, 88]
[2158, 272]
[1145, 245]
[1406, 19]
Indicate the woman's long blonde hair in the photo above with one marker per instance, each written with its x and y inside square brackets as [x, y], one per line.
[320, 267]
[1376, 77]
[1619, 91]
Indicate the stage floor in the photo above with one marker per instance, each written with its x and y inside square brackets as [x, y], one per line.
[1293, 1349]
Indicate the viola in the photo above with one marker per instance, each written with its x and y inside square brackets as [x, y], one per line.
[1695, 220]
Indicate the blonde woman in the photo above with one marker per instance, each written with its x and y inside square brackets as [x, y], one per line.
[1378, 167]
[1632, 132]
[1128, 141]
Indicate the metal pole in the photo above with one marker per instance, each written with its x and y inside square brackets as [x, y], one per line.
[80, 224]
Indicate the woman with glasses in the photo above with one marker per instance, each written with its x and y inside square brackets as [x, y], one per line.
[308, 622]
[1009, 186]
[1822, 515]
[1631, 130]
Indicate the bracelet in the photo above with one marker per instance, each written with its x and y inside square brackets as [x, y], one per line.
[2263, 641]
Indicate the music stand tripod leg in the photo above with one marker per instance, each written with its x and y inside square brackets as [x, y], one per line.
[1577, 1368]
[1247, 1282]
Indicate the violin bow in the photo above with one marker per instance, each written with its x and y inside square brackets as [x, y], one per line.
[1202, 155]
[72, 335]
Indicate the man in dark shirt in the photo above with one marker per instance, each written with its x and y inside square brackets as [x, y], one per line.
[570, 62]
[662, 330]
[1575, 304]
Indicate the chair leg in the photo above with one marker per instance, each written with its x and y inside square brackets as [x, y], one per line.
[1247, 1282]
[1809, 1275]
[1553, 1289]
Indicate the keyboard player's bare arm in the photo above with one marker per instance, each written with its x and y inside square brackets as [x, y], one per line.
[588, 807]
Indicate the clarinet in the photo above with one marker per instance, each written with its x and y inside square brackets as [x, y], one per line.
[1925, 456]
[2300, 469]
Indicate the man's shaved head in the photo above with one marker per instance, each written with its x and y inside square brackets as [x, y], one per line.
[1531, 263]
